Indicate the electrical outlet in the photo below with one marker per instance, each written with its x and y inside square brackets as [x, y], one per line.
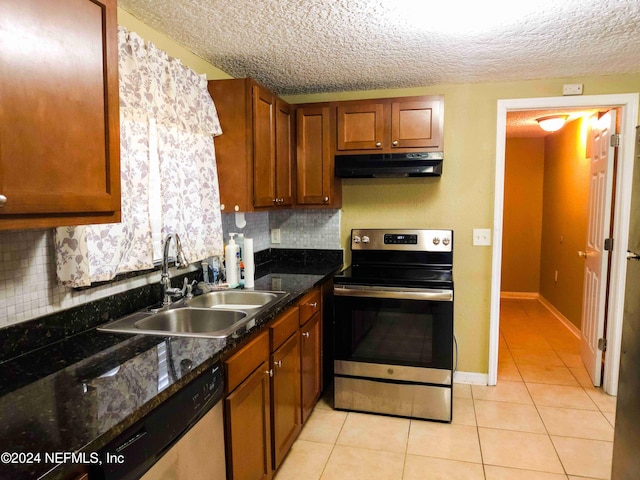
[275, 235]
[482, 236]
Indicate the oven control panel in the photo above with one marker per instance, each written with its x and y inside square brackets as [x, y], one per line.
[412, 240]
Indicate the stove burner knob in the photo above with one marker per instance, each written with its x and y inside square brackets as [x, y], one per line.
[436, 240]
[356, 239]
[365, 239]
[446, 241]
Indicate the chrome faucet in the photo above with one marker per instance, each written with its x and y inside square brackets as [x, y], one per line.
[181, 262]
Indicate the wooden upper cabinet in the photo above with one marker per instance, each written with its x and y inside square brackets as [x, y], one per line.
[284, 154]
[416, 124]
[390, 125]
[361, 126]
[254, 154]
[264, 147]
[59, 126]
[316, 184]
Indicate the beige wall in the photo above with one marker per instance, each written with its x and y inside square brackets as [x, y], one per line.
[565, 219]
[463, 198]
[522, 221]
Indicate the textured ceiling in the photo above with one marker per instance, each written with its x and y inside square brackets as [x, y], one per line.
[307, 46]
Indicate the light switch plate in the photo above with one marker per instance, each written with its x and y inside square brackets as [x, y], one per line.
[482, 237]
[275, 235]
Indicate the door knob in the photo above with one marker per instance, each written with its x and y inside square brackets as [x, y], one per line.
[583, 254]
[632, 256]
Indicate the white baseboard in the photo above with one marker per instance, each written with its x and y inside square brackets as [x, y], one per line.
[472, 378]
[520, 295]
[564, 320]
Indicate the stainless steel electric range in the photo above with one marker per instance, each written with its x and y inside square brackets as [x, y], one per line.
[393, 335]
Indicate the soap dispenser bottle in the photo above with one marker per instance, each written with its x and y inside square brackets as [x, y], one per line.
[231, 255]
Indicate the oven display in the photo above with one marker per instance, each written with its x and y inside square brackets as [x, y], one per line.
[395, 239]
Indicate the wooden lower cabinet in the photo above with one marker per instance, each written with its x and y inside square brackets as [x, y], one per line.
[248, 412]
[199, 455]
[310, 364]
[285, 391]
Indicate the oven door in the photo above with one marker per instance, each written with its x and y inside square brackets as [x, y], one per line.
[394, 351]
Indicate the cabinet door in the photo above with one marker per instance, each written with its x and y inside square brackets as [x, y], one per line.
[264, 147]
[248, 426]
[286, 398]
[310, 364]
[416, 124]
[361, 126]
[314, 159]
[284, 154]
[59, 127]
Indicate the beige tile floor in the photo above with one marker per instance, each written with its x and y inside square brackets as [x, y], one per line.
[543, 421]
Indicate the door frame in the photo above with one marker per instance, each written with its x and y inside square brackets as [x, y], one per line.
[629, 119]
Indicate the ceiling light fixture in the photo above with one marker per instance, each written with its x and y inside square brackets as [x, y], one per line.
[552, 123]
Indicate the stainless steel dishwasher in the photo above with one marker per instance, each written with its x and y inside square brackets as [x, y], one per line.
[158, 437]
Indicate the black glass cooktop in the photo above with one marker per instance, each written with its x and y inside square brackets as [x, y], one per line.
[395, 276]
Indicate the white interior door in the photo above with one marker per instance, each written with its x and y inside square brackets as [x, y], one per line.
[595, 256]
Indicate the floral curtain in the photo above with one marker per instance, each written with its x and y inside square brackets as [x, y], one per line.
[167, 124]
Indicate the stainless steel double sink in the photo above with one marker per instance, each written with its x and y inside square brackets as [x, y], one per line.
[218, 314]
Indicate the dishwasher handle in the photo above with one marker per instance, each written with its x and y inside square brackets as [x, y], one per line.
[367, 291]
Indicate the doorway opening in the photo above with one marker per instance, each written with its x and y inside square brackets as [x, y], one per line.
[547, 208]
[628, 104]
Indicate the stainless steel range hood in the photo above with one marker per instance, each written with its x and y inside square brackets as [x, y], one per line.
[423, 164]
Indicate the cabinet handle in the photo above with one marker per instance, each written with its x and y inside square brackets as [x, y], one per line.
[394, 143]
[305, 334]
[326, 199]
[277, 364]
[378, 144]
[269, 372]
[3, 200]
[313, 305]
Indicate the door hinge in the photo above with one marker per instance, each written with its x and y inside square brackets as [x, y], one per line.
[608, 244]
[615, 140]
[602, 344]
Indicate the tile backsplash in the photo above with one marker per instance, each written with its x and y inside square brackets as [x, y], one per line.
[28, 287]
[298, 228]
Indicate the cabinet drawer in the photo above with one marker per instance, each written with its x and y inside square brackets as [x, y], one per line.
[241, 364]
[309, 305]
[284, 327]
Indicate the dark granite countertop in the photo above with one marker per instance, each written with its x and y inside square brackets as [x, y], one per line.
[79, 392]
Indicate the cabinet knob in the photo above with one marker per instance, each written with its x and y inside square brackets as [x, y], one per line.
[326, 199]
[305, 334]
[236, 208]
[313, 305]
[394, 143]
[3, 200]
[275, 200]
[277, 364]
[222, 206]
[269, 372]
[378, 144]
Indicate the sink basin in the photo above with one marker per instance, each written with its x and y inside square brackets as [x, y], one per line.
[181, 322]
[217, 314]
[234, 299]
[186, 320]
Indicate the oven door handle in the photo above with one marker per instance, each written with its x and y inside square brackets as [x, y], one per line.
[444, 295]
